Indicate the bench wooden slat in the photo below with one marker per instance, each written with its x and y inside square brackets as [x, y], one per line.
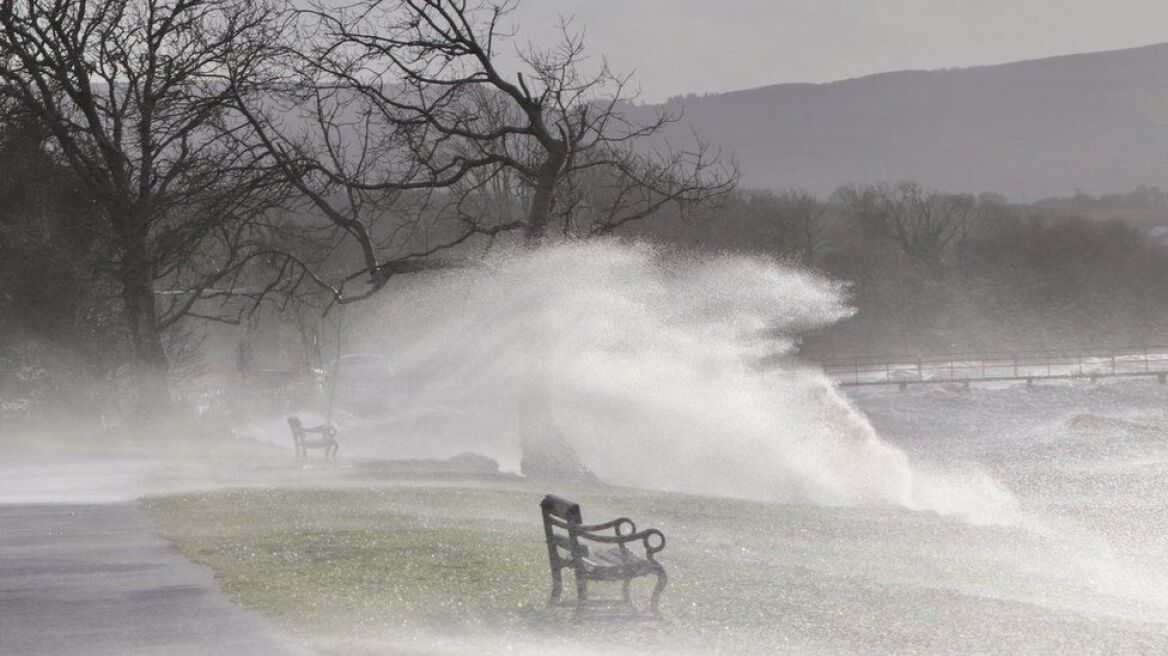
[565, 543]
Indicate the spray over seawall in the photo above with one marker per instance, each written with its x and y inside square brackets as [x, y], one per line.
[662, 370]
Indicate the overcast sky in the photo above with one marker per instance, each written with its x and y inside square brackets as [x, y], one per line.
[682, 46]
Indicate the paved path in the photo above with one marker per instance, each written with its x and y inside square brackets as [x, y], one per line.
[97, 580]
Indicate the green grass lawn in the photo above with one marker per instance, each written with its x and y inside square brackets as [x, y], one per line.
[464, 570]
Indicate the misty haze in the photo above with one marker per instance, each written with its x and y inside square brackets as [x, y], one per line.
[464, 327]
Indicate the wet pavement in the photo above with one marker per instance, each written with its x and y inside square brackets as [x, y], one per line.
[96, 579]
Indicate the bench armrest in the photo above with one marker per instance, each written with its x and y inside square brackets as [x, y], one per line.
[653, 540]
[326, 429]
[616, 524]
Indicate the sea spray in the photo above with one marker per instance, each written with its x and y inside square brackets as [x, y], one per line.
[661, 369]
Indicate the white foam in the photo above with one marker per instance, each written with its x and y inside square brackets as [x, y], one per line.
[662, 370]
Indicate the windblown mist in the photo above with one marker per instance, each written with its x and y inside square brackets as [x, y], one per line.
[661, 370]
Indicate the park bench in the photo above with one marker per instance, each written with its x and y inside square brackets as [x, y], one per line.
[301, 437]
[567, 535]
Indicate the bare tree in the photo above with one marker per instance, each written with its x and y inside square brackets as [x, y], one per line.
[391, 122]
[924, 225]
[371, 189]
[804, 213]
[132, 94]
[562, 144]
[789, 224]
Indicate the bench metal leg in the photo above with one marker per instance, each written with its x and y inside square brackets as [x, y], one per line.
[557, 587]
[662, 581]
[625, 585]
[581, 596]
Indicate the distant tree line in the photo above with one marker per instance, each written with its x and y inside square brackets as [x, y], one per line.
[933, 272]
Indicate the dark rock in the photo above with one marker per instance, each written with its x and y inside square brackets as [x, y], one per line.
[473, 462]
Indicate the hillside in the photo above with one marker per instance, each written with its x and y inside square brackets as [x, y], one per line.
[1097, 122]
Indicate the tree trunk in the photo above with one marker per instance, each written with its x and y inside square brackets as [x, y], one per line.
[547, 455]
[543, 199]
[150, 362]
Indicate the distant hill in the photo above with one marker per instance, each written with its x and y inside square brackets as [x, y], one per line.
[1096, 122]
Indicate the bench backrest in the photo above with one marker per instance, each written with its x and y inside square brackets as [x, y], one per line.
[297, 428]
[561, 508]
[558, 511]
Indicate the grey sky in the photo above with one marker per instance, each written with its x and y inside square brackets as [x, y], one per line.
[682, 46]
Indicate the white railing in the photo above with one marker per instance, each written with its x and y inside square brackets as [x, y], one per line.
[998, 366]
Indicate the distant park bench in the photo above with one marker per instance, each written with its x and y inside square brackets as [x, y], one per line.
[565, 533]
[301, 436]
